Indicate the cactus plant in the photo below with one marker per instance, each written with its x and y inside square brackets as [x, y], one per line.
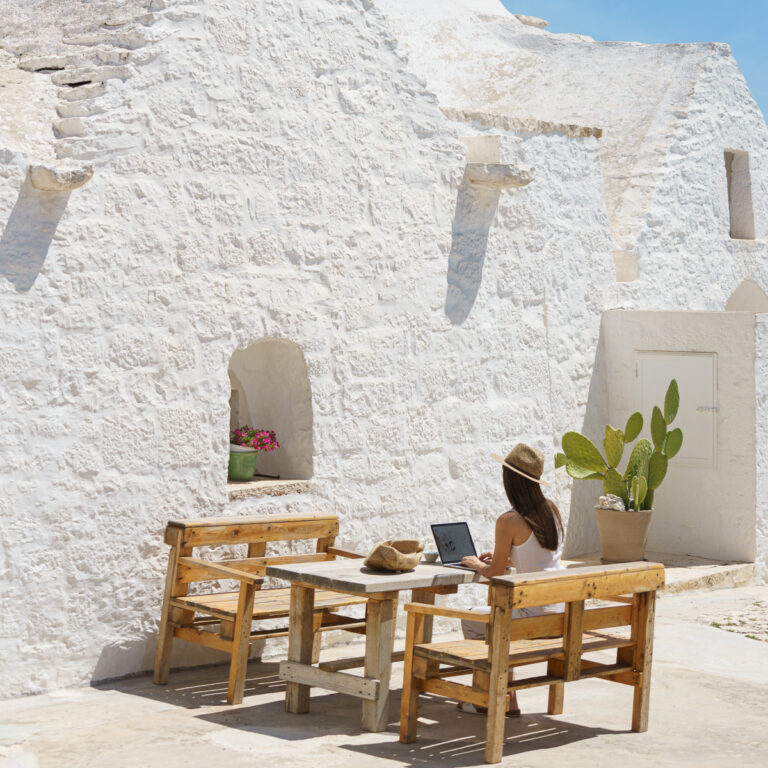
[648, 461]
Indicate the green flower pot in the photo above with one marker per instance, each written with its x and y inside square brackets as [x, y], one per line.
[242, 463]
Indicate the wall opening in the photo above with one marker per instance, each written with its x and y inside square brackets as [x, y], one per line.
[739, 195]
[270, 390]
[748, 297]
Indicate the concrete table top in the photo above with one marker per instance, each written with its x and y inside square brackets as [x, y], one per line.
[353, 577]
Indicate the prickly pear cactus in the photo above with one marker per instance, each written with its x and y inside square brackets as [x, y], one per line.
[648, 461]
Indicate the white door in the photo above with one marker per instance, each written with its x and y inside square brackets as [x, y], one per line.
[696, 374]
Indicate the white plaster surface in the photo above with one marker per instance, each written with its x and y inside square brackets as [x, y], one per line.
[645, 98]
[292, 169]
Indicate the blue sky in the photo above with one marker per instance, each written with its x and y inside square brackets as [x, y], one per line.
[743, 24]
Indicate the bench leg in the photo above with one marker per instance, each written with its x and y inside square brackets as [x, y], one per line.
[409, 701]
[165, 631]
[299, 645]
[163, 653]
[645, 605]
[241, 644]
[556, 694]
[501, 629]
[378, 660]
[426, 596]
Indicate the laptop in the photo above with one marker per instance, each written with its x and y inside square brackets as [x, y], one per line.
[454, 541]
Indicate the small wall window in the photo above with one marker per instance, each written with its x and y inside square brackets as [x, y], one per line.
[270, 390]
[739, 195]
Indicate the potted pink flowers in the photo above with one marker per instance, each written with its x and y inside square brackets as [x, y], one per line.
[244, 446]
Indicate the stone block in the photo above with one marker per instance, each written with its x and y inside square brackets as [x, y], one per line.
[130, 348]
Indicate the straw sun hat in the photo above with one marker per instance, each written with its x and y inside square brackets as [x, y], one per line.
[526, 461]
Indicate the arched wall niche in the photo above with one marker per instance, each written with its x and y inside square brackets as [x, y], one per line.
[270, 390]
[748, 297]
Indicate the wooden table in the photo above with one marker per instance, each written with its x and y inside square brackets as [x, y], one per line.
[382, 590]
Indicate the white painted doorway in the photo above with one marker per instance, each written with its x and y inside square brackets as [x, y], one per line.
[696, 375]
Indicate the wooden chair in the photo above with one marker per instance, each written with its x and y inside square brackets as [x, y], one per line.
[561, 640]
[223, 620]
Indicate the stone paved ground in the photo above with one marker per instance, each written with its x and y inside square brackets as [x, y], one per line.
[742, 611]
[709, 707]
[750, 621]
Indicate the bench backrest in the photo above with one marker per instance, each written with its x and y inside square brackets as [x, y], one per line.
[184, 535]
[623, 584]
[526, 590]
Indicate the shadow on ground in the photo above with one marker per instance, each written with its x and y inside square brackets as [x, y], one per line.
[446, 737]
[454, 739]
[201, 686]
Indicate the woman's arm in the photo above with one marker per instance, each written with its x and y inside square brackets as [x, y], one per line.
[502, 546]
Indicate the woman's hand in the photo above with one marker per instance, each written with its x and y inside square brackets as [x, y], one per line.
[486, 557]
[475, 563]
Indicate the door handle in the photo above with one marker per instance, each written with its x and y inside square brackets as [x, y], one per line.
[706, 408]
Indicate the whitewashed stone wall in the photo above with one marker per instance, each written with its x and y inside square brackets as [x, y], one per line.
[686, 257]
[284, 176]
[667, 114]
[274, 168]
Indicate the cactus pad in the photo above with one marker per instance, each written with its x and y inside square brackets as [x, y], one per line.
[581, 473]
[581, 451]
[639, 489]
[658, 428]
[614, 483]
[671, 402]
[634, 427]
[613, 445]
[638, 460]
[657, 469]
[673, 443]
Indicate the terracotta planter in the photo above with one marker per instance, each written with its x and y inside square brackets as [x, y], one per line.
[623, 535]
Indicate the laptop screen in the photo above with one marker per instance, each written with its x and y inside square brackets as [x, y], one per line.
[454, 541]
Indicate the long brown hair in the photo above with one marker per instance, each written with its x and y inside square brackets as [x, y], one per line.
[528, 501]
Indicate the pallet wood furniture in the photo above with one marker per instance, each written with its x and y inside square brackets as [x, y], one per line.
[561, 640]
[223, 620]
[381, 589]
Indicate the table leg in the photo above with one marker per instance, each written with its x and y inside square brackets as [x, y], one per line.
[300, 635]
[378, 660]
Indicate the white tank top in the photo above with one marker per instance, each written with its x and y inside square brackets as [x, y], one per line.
[531, 556]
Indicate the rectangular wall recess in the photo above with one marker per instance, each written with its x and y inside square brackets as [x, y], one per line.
[739, 195]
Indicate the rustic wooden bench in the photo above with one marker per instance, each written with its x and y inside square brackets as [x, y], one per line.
[224, 620]
[561, 640]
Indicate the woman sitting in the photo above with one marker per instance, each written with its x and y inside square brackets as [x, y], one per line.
[529, 536]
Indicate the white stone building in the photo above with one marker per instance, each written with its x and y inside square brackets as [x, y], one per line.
[405, 235]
